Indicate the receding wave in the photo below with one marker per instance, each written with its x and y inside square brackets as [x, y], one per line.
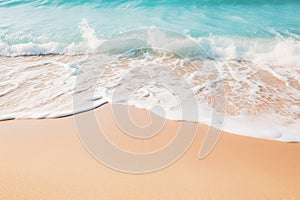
[261, 100]
[239, 62]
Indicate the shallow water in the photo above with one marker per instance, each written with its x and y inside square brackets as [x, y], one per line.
[239, 60]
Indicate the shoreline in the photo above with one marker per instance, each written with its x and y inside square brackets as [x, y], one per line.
[265, 110]
[45, 159]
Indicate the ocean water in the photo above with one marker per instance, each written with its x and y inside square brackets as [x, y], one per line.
[240, 59]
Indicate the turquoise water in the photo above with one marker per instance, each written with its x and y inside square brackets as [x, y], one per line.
[58, 21]
[251, 47]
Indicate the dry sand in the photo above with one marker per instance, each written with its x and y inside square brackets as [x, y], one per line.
[44, 159]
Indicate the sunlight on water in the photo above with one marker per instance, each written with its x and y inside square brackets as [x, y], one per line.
[254, 45]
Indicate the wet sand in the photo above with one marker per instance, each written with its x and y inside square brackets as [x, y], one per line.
[45, 159]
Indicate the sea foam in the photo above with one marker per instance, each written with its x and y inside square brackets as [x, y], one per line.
[248, 86]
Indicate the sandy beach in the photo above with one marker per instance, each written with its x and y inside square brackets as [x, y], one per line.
[45, 159]
[149, 100]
